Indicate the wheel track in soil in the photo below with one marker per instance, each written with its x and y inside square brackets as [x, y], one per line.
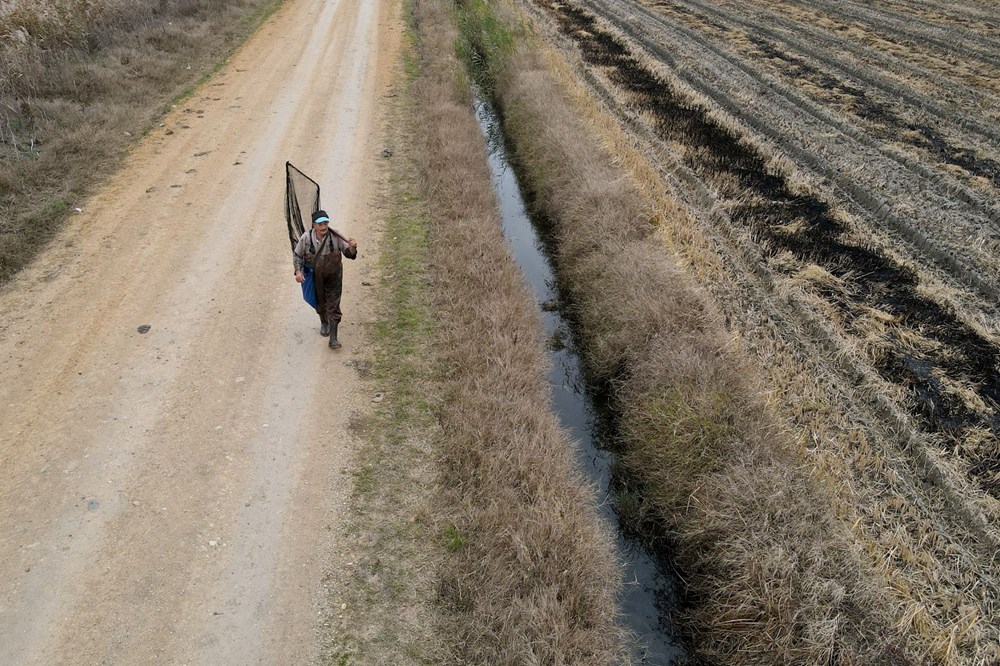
[953, 116]
[830, 40]
[955, 10]
[950, 255]
[941, 497]
[879, 20]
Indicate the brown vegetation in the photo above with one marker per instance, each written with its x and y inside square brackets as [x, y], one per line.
[78, 81]
[909, 496]
[773, 575]
[531, 578]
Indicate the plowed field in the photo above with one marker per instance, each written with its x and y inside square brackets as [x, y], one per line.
[844, 161]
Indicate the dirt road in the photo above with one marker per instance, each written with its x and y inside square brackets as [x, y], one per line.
[167, 497]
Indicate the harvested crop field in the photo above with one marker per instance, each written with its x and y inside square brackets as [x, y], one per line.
[839, 162]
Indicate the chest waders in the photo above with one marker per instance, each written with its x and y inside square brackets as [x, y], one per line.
[329, 276]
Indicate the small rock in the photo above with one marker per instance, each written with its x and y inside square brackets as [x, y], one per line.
[135, 502]
[169, 132]
[343, 606]
[387, 153]
[365, 283]
[144, 329]
[378, 397]
[213, 543]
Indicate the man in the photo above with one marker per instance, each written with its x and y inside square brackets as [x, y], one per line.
[321, 249]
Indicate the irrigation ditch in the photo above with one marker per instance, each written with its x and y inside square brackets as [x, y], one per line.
[703, 470]
[887, 380]
[650, 587]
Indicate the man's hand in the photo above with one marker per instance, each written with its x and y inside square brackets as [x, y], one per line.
[299, 277]
[353, 244]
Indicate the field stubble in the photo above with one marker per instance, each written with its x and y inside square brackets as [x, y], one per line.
[900, 480]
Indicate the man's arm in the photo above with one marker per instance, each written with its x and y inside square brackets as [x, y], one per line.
[298, 254]
[349, 247]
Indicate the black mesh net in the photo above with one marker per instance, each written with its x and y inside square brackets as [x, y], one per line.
[301, 201]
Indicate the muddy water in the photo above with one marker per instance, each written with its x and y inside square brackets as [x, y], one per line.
[648, 591]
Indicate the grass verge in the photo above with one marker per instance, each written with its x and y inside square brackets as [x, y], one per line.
[390, 589]
[475, 539]
[529, 576]
[773, 577]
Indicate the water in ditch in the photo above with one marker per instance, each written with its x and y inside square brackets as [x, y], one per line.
[648, 589]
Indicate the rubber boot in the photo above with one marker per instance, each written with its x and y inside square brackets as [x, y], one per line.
[324, 326]
[334, 343]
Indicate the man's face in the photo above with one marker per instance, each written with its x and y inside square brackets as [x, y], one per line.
[321, 228]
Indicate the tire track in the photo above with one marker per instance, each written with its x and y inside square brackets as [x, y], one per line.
[956, 10]
[960, 238]
[949, 41]
[950, 115]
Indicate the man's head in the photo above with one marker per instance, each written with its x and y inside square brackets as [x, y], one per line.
[321, 221]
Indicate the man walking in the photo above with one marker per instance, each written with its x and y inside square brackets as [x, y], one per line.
[321, 249]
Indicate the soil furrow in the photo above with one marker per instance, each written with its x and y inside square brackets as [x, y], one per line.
[895, 26]
[955, 12]
[956, 117]
[928, 221]
[948, 353]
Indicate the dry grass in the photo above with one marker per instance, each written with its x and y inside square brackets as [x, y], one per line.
[879, 480]
[79, 81]
[531, 578]
[773, 575]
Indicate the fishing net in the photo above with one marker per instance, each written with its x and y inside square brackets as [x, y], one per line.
[301, 201]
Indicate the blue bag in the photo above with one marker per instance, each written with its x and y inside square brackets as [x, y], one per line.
[309, 286]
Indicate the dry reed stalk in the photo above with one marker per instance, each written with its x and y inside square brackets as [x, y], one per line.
[532, 578]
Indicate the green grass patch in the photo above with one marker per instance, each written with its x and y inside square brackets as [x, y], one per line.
[486, 42]
[453, 539]
[391, 593]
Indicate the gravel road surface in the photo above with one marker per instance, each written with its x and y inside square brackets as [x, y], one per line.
[171, 496]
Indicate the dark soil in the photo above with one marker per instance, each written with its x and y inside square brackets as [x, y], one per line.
[885, 122]
[764, 203]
